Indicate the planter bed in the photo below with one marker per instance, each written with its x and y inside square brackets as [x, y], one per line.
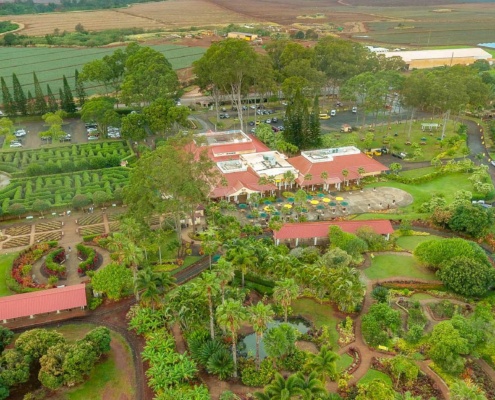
[53, 264]
[90, 219]
[92, 230]
[91, 260]
[18, 230]
[48, 236]
[17, 242]
[48, 226]
[114, 216]
[114, 226]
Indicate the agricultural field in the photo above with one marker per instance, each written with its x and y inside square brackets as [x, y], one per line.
[60, 189]
[63, 159]
[50, 64]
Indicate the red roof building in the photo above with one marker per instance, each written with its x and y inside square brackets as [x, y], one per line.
[319, 230]
[324, 167]
[43, 301]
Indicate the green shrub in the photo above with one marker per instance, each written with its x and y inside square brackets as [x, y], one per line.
[292, 362]
[95, 302]
[252, 377]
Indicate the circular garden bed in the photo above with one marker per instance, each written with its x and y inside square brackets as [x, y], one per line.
[54, 264]
[91, 260]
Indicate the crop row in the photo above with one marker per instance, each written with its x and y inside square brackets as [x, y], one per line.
[74, 157]
[59, 190]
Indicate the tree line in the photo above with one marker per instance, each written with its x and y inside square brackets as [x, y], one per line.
[18, 103]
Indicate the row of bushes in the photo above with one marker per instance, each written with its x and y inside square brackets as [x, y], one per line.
[53, 263]
[89, 257]
[253, 282]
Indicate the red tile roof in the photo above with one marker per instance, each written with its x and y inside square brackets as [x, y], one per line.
[43, 301]
[309, 230]
[235, 181]
[351, 163]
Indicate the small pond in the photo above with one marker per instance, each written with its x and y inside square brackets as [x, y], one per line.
[248, 344]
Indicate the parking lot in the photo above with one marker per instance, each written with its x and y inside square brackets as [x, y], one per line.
[75, 127]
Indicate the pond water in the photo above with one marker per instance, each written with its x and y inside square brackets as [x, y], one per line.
[248, 344]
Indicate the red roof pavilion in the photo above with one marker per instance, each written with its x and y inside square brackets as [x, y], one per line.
[43, 301]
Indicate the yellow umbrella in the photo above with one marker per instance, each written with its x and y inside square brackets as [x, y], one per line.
[339, 198]
[326, 200]
[287, 206]
[314, 202]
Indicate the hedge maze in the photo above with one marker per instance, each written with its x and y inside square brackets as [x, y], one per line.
[47, 161]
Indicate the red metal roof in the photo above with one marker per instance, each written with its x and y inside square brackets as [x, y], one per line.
[351, 163]
[236, 181]
[43, 301]
[309, 230]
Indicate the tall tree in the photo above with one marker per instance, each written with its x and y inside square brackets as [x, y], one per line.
[244, 258]
[30, 103]
[208, 286]
[20, 101]
[68, 104]
[297, 122]
[284, 293]
[52, 101]
[7, 100]
[148, 76]
[187, 183]
[100, 110]
[225, 273]
[260, 315]
[40, 106]
[80, 91]
[229, 316]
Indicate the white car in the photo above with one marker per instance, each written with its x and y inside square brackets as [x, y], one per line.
[115, 135]
[93, 137]
[492, 162]
[354, 110]
[20, 132]
[15, 144]
[333, 113]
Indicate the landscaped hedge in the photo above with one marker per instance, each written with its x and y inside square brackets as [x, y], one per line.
[413, 285]
[59, 190]
[261, 285]
[17, 280]
[90, 259]
[64, 159]
[53, 263]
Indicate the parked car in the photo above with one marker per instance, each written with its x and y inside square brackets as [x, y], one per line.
[275, 129]
[93, 137]
[251, 123]
[90, 131]
[280, 127]
[65, 138]
[268, 121]
[333, 113]
[114, 135]
[399, 155]
[354, 110]
[492, 162]
[274, 120]
[92, 125]
[20, 132]
[15, 144]
[324, 116]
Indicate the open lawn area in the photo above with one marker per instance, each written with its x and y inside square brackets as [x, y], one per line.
[344, 362]
[391, 265]
[374, 374]
[319, 315]
[445, 185]
[5, 264]
[411, 242]
[113, 378]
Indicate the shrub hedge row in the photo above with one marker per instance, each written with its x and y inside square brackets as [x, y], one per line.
[53, 262]
[89, 257]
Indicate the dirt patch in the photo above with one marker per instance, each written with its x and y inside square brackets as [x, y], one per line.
[123, 363]
[307, 346]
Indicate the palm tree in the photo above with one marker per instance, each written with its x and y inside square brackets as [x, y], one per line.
[259, 316]
[347, 290]
[208, 285]
[312, 387]
[229, 316]
[244, 259]
[225, 273]
[308, 177]
[288, 178]
[324, 176]
[284, 292]
[153, 285]
[324, 364]
[210, 242]
[282, 389]
[361, 171]
[345, 174]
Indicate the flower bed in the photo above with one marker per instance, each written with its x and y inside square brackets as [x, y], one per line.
[91, 260]
[48, 226]
[20, 282]
[356, 356]
[53, 265]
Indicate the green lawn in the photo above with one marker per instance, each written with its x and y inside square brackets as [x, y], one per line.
[391, 265]
[417, 172]
[411, 242]
[445, 185]
[422, 296]
[5, 264]
[319, 315]
[109, 376]
[373, 374]
[344, 362]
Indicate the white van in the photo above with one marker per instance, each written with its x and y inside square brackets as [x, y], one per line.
[333, 113]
